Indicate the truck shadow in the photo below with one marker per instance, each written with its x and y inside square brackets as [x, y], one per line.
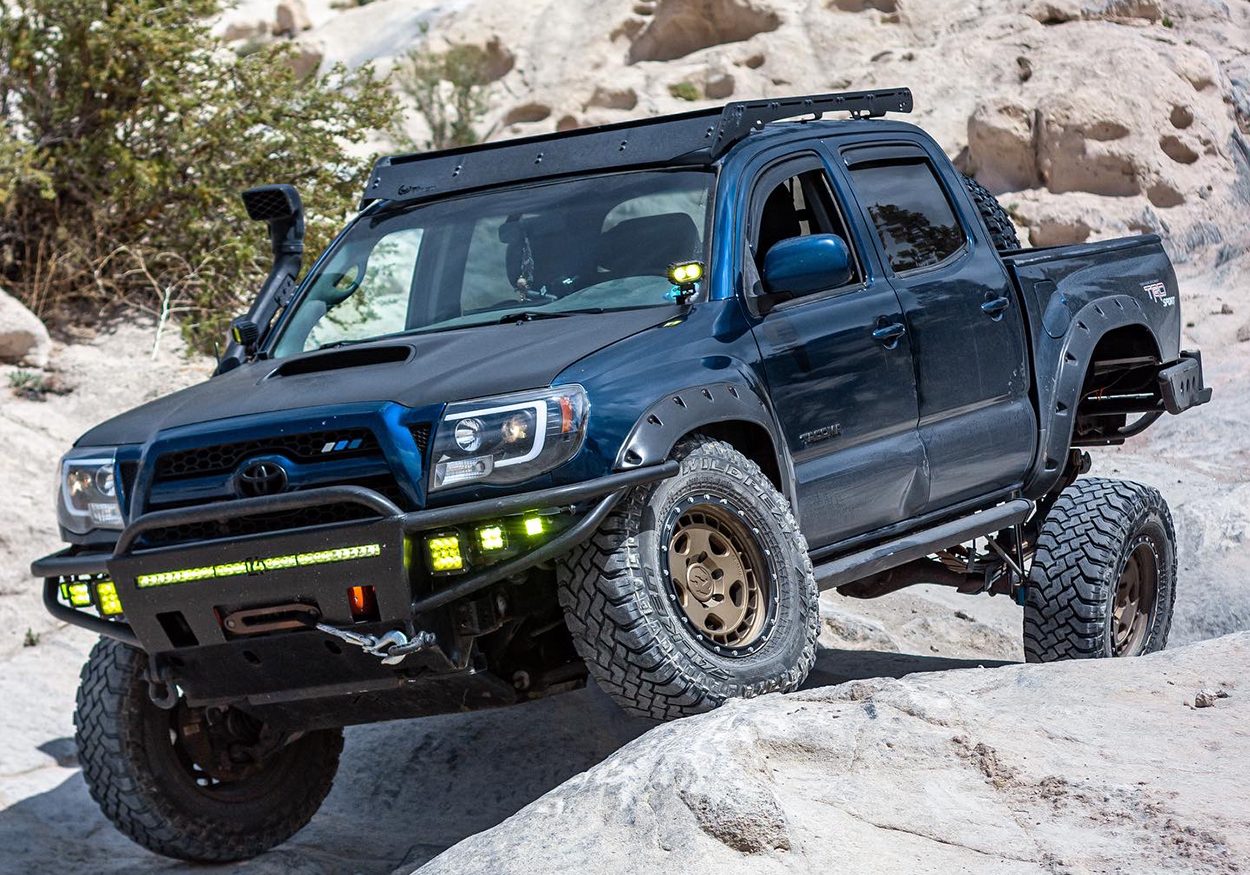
[839, 666]
[406, 790]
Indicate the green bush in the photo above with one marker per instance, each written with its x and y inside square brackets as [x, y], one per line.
[448, 90]
[684, 91]
[126, 133]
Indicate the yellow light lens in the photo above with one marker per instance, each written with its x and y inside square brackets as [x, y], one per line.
[534, 526]
[686, 273]
[106, 598]
[445, 553]
[270, 563]
[491, 537]
[77, 594]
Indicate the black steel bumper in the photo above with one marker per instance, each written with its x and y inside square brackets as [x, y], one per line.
[386, 532]
[1181, 384]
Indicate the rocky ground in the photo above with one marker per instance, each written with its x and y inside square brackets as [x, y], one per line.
[1080, 767]
[1090, 118]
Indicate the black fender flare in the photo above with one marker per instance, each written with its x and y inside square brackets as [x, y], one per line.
[678, 413]
[1058, 397]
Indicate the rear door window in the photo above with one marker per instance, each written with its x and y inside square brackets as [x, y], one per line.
[911, 213]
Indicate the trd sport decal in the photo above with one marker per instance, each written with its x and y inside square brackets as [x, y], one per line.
[1158, 292]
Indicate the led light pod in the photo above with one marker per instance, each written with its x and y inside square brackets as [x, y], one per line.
[445, 553]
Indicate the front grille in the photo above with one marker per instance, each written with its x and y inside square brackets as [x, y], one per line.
[323, 446]
[275, 522]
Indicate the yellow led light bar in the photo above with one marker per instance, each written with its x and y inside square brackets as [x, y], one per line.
[106, 598]
[491, 537]
[445, 553]
[255, 566]
[534, 526]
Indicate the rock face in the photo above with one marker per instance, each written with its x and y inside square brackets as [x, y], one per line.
[1090, 118]
[1007, 770]
[291, 18]
[23, 338]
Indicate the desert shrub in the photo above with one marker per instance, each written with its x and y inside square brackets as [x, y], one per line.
[684, 91]
[448, 89]
[126, 132]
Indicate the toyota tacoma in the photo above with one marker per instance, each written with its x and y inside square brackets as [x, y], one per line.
[614, 404]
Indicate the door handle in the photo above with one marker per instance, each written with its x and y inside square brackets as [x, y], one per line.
[888, 333]
[994, 306]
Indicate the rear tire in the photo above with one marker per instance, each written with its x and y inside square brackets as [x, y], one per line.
[997, 220]
[142, 775]
[1103, 580]
[695, 590]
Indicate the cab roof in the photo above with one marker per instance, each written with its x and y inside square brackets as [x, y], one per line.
[691, 138]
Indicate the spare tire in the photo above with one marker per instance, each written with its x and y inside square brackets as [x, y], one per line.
[997, 221]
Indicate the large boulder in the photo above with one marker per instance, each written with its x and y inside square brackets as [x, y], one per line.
[1089, 766]
[23, 338]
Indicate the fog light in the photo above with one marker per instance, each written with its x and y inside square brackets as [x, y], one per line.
[106, 598]
[491, 538]
[445, 553]
[534, 526]
[77, 594]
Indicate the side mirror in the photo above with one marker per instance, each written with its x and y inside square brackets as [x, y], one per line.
[801, 265]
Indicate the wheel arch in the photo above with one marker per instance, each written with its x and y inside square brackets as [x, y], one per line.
[1108, 328]
[733, 412]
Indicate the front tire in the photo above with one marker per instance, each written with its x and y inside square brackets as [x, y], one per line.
[695, 590]
[1103, 580]
[174, 792]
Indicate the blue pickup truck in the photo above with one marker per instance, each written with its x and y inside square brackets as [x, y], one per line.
[615, 403]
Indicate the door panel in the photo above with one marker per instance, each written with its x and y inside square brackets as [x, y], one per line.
[845, 399]
[967, 332]
[847, 406]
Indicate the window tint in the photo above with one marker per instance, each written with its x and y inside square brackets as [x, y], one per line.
[796, 207]
[912, 215]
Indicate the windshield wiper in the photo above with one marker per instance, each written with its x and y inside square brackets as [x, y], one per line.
[528, 316]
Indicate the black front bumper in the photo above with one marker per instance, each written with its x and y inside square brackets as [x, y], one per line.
[202, 581]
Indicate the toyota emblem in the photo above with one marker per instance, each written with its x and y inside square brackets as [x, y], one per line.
[261, 478]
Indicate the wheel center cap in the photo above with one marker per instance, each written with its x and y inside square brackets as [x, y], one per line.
[700, 581]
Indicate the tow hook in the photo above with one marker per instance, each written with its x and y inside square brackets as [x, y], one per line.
[391, 647]
[163, 694]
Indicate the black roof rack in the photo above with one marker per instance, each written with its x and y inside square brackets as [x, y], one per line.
[698, 137]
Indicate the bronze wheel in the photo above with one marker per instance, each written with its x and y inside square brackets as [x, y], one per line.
[1103, 578]
[718, 578]
[209, 786]
[1135, 597]
[696, 590]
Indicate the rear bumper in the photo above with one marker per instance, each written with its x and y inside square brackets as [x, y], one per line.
[1181, 385]
[202, 582]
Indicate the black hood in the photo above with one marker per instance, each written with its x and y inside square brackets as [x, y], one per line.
[414, 371]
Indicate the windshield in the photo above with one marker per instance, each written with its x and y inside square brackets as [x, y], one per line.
[584, 245]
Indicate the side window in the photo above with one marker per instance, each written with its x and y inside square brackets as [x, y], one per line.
[913, 218]
[797, 206]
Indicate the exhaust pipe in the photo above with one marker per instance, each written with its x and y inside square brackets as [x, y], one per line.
[281, 208]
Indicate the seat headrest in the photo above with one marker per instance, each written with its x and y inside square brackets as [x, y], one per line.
[649, 244]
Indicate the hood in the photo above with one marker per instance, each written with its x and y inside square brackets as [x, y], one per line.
[414, 371]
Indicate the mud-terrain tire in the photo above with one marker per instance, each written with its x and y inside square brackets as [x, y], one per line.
[625, 609]
[997, 220]
[136, 775]
[1105, 546]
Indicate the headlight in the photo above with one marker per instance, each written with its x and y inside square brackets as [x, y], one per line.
[88, 494]
[509, 438]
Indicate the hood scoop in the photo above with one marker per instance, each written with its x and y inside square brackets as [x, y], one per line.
[340, 359]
